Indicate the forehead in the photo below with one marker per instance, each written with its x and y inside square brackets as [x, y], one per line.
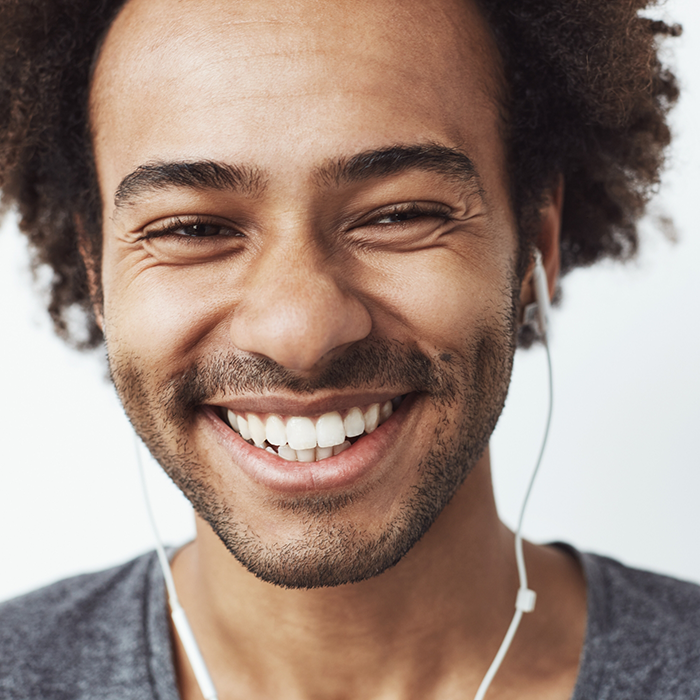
[274, 80]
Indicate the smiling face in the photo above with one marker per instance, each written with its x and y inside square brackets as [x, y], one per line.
[308, 244]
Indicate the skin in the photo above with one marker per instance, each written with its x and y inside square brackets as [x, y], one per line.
[284, 88]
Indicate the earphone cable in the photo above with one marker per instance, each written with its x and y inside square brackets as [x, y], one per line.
[177, 612]
[525, 600]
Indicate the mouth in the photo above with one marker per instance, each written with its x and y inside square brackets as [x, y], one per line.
[309, 438]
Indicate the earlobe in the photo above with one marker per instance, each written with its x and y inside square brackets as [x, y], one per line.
[91, 262]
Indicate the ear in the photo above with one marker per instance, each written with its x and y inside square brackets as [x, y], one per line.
[548, 243]
[91, 263]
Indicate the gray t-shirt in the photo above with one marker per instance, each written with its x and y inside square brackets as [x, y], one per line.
[105, 636]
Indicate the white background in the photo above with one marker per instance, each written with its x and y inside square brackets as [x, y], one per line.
[621, 473]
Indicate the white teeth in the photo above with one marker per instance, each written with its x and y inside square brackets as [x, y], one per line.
[233, 420]
[275, 431]
[243, 428]
[301, 434]
[286, 452]
[385, 411]
[354, 423]
[256, 428]
[323, 452]
[303, 440]
[372, 418]
[330, 430]
[341, 448]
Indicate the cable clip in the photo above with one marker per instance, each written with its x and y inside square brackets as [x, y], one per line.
[525, 600]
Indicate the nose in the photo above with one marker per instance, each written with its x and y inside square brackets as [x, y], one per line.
[297, 310]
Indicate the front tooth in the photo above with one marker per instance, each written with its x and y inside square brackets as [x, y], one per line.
[330, 430]
[372, 418]
[233, 420]
[286, 452]
[341, 448]
[256, 428]
[306, 455]
[301, 434]
[323, 452]
[385, 411]
[275, 431]
[243, 428]
[354, 423]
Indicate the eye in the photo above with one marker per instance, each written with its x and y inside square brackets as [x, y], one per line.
[190, 229]
[404, 213]
[192, 239]
[396, 217]
[402, 226]
[198, 230]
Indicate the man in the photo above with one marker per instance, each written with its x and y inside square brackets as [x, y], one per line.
[307, 236]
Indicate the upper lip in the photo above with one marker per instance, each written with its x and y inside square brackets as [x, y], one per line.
[298, 406]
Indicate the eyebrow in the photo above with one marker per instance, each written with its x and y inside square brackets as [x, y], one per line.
[393, 160]
[199, 175]
[251, 181]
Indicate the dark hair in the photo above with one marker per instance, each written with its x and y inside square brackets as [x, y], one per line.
[587, 99]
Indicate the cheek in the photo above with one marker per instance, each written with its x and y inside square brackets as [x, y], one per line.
[163, 312]
[440, 297]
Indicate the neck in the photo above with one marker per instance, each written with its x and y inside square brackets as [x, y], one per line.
[447, 602]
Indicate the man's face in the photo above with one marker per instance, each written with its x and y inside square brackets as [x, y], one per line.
[306, 214]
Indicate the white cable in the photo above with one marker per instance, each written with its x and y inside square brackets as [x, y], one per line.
[177, 612]
[525, 600]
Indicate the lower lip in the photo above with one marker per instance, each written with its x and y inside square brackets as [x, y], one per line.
[346, 469]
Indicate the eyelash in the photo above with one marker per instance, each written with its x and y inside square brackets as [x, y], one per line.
[414, 210]
[170, 227]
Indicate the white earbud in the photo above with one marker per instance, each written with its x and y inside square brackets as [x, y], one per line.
[538, 311]
[539, 277]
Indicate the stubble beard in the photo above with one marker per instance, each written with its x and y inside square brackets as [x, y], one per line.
[469, 387]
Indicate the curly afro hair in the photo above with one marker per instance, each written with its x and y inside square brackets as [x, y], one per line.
[587, 100]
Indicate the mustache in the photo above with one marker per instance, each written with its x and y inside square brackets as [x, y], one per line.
[374, 364]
